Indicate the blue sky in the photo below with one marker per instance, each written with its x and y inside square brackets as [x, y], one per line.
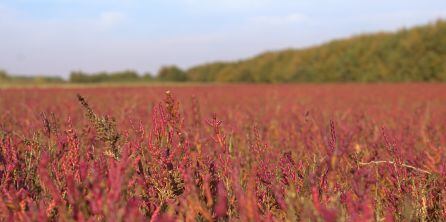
[58, 36]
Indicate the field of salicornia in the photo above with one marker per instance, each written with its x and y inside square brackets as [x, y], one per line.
[224, 153]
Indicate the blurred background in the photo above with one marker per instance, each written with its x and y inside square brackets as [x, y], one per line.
[222, 40]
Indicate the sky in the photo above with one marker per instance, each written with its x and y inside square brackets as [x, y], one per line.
[44, 37]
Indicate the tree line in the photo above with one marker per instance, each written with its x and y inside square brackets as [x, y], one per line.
[415, 54]
[166, 74]
[19, 79]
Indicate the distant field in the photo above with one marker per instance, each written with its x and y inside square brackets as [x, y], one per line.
[6, 85]
[329, 152]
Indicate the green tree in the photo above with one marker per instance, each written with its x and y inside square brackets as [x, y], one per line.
[171, 74]
[4, 75]
[415, 54]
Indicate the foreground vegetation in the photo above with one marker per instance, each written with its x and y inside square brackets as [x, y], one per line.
[226, 153]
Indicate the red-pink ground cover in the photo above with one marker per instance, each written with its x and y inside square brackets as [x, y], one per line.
[345, 152]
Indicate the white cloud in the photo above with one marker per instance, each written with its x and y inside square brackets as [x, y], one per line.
[110, 19]
[228, 4]
[6, 12]
[280, 20]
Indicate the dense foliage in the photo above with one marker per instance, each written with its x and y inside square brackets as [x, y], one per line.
[224, 153]
[417, 54]
[165, 74]
[171, 74]
[122, 76]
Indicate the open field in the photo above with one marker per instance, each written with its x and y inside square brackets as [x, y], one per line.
[30, 85]
[330, 152]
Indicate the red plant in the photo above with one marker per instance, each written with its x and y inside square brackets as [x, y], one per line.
[141, 154]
